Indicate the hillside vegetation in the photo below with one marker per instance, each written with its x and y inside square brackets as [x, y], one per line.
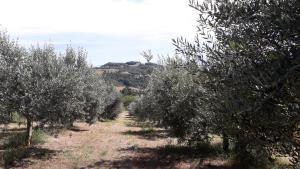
[130, 74]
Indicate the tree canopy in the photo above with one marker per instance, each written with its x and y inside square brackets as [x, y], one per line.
[48, 88]
[239, 79]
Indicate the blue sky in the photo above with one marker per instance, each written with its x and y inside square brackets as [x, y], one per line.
[102, 48]
[110, 30]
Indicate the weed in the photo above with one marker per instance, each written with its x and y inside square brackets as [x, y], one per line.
[19, 139]
[38, 136]
[103, 153]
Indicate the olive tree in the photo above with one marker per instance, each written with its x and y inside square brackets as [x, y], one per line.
[48, 88]
[172, 99]
[244, 71]
[249, 52]
[11, 67]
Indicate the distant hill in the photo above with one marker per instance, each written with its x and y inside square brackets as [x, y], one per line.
[132, 74]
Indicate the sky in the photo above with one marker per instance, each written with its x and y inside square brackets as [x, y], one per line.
[110, 30]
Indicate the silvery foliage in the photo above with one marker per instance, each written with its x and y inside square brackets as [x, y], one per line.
[50, 88]
[11, 61]
[251, 64]
[97, 94]
[172, 99]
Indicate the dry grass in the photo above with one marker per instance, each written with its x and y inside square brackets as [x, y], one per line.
[121, 143]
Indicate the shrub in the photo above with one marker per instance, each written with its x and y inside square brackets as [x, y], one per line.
[38, 136]
[127, 99]
[19, 139]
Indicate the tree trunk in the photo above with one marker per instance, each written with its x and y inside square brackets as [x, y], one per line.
[225, 143]
[28, 132]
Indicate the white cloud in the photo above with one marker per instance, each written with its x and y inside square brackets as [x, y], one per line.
[101, 26]
[148, 17]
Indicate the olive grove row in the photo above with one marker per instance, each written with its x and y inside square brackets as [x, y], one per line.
[240, 80]
[50, 88]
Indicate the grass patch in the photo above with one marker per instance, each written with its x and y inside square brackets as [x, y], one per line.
[17, 118]
[281, 163]
[147, 133]
[19, 139]
[127, 99]
[15, 147]
[204, 150]
[76, 158]
[13, 156]
[38, 137]
[141, 124]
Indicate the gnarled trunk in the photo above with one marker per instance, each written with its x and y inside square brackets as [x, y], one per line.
[225, 143]
[28, 132]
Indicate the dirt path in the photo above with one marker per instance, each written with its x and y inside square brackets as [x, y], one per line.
[120, 143]
[116, 144]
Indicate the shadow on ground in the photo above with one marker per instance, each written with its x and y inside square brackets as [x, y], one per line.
[77, 129]
[149, 134]
[134, 122]
[168, 157]
[146, 130]
[10, 132]
[14, 153]
[24, 157]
